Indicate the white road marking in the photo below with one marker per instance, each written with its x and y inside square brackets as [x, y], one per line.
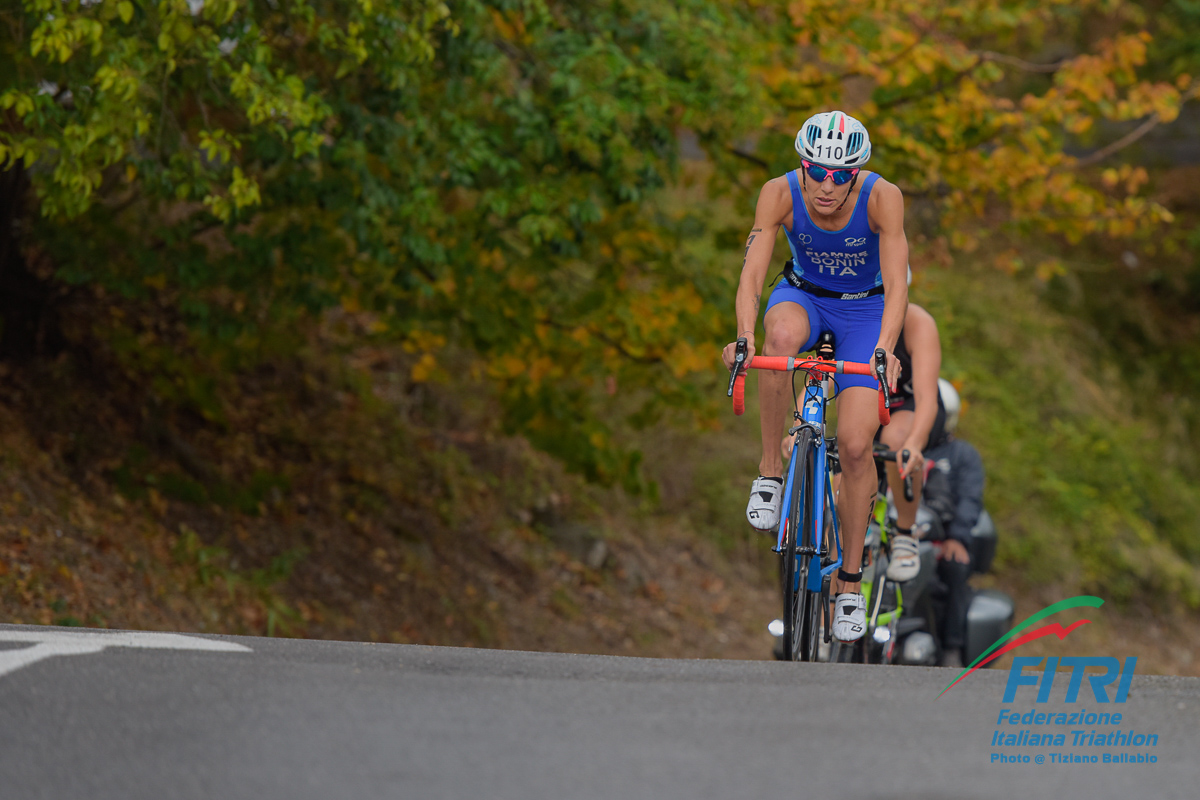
[77, 643]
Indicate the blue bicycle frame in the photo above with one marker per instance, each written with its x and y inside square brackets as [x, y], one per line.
[812, 412]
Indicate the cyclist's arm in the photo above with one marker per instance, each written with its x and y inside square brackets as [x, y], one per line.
[774, 202]
[888, 219]
[921, 336]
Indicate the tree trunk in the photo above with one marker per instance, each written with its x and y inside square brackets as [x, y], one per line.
[28, 319]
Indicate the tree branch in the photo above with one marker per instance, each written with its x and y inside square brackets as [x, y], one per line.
[748, 156]
[1019, 63]
[620, 348]
[981, 57]
[1120, 144]
[1152, 122]
[940, 87]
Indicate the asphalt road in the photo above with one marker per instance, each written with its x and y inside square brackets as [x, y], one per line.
[180, 716]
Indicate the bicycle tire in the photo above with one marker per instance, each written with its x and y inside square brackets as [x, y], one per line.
[810, 636]
[801, 608]
[814, 609]
[851, 653]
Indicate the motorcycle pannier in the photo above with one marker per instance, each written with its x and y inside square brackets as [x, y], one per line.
[983, 543]
[989, 617]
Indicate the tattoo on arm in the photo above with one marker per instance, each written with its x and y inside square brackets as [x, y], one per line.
[749, 242]
[756, 299]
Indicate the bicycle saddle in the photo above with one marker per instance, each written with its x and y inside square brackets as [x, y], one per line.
[825, 346]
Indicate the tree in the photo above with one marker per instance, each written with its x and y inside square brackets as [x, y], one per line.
[494, 174]
[477, 175]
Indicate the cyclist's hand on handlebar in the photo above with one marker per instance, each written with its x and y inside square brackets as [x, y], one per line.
[916, 461]
[730, 352]
[893, 371]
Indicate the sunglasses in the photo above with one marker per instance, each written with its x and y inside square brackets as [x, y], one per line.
[819, 173]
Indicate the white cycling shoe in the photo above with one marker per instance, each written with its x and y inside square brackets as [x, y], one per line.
[766, 500]
[905, 560]
[850, 617]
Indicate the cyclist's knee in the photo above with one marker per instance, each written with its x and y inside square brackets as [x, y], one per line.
[854, 452]
[786, 336]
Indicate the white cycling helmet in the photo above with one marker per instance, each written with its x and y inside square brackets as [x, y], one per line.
[951, 403]
[833, 139]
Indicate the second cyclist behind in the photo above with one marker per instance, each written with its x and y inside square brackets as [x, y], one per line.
[917, 420]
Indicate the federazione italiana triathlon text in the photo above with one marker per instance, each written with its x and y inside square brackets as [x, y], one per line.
[1078, 736]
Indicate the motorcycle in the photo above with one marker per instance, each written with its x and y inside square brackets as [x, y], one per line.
[902, 618]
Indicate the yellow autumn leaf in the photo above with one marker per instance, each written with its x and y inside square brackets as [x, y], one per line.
[423, 369]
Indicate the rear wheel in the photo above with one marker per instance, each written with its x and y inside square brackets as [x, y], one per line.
[850, 653]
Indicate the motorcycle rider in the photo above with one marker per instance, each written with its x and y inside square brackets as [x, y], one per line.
[954, 492]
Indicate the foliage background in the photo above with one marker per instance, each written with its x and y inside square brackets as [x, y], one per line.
[222, 216]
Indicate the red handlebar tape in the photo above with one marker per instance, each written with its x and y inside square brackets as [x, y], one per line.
[789, 363]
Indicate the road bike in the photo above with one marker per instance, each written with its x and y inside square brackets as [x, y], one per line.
[902, 618]
[808, 537]
[885, 598]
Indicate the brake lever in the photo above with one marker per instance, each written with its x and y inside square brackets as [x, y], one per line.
[908, 479]
[739, 358]
[881, 374]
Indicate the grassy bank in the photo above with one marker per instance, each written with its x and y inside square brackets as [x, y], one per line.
[345, 498]
[1084, 488]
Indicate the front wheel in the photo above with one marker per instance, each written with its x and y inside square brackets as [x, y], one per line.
[802, 612]
[801, 608]
[810, 636]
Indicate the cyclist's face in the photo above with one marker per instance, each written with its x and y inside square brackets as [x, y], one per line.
[825, 197]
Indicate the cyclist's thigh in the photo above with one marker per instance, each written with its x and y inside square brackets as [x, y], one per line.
[855, 326]
[791, 320]
[896, 432]
[858, 419]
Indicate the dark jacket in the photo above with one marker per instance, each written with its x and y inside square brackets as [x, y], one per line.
[954, 489]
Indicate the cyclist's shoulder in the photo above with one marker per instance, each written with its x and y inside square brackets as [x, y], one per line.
[775, 197]
[882, 190]
[778, 185]
[887, 201]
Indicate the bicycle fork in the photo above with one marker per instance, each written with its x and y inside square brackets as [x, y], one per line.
[821, 497]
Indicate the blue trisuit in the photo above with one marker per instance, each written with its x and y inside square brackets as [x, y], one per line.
[845, 261]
